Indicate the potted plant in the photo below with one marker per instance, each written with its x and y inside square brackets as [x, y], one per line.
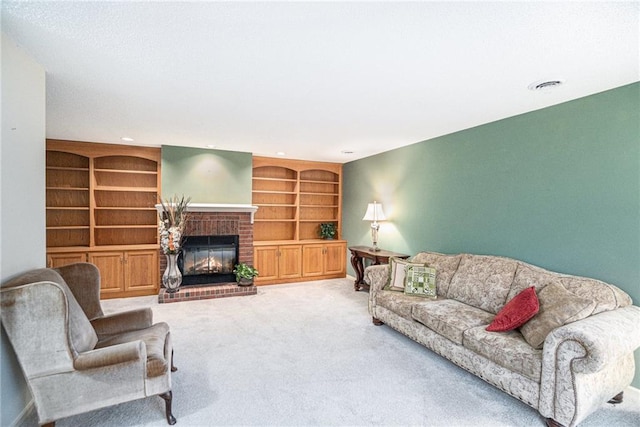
[245, 274]
[328, 230]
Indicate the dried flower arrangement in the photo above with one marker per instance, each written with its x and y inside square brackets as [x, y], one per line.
[172, 222]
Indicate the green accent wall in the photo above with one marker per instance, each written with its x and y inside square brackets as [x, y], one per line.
[557, 187]
[207, 176]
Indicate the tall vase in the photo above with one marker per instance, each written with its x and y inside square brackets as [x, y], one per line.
[172, 278]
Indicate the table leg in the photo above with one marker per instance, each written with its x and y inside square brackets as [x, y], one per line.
[358, 266]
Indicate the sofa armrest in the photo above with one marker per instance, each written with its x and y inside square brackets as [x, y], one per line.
[604, 338]
[376, 276]
[112, 355]
[586, 363]
[123, 322]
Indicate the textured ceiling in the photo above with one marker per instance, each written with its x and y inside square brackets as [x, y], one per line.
[313, 79]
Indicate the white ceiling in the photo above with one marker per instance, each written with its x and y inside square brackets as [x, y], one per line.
[313, 79]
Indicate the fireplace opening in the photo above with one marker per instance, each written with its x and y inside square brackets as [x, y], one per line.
[208, 259]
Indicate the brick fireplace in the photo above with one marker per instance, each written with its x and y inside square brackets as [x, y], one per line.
[216, 220]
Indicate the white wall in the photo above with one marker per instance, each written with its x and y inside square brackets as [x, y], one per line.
[22, 197]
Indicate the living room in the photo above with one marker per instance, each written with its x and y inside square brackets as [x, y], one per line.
[556, 187]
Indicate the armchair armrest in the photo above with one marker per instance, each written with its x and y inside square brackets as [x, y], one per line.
[376, 276]
[123, 322]
[112, 355]
[604, 338]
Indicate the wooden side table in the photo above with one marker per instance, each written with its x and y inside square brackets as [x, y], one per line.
[360, 253]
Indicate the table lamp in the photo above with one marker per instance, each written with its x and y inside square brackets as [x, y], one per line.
[374, 213]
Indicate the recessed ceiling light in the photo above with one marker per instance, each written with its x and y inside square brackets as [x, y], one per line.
[347, 152]
[126, 139]
[280, 153]
[545, 84]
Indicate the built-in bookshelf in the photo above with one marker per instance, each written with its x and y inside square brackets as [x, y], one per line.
[294, 197]
[100, 198]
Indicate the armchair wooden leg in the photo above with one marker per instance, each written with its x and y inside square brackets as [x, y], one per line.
[51, 424]
[552, 423]
[617, 398]
[168, 396]
[173, 368]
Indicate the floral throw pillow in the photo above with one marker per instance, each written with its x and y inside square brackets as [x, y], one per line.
[398, 272]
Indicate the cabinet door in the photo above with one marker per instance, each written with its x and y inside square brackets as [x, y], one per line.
[335, 258]
[313, 260]
[265, 259]
[289, 262]
[59, 260]
[141, 271]
[111, 269]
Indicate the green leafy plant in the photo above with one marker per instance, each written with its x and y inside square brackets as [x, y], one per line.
[245, 271]
[328, 230]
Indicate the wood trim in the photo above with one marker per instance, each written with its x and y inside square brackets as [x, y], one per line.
[297, 165]
[96, 149]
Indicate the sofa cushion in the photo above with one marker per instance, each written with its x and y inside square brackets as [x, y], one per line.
[483, 281]
[450, 318]
[397, 273]
[607, 297]
[520, 357]
[558, 307]
[516, 312]
[82, 336]
[399, 303]
[154, 338]
[445, 265]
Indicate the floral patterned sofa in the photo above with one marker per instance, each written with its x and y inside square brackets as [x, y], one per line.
[582, 338]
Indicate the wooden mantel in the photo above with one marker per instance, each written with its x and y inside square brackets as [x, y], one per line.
[218, 207]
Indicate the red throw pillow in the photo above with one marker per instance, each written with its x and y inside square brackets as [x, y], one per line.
[516, 312]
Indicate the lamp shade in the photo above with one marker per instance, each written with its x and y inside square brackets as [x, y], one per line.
[374, 212]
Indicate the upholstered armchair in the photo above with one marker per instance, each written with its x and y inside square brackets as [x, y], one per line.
[74, 358]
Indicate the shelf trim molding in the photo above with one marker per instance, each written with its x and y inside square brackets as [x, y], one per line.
[218, 207]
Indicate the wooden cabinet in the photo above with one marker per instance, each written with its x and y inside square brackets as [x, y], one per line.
[111, 266]
[58, 260]
[278, 263]
[324, 259]
[100, 202]
[126, 273]
[294, 197]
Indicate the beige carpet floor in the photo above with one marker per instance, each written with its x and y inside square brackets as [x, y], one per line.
[307, 354]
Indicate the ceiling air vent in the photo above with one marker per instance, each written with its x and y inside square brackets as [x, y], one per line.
[545, 85]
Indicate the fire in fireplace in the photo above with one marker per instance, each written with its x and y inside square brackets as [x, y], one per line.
[208, 259]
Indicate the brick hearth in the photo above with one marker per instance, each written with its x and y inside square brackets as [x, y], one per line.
[211, 223]
[192, 293]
